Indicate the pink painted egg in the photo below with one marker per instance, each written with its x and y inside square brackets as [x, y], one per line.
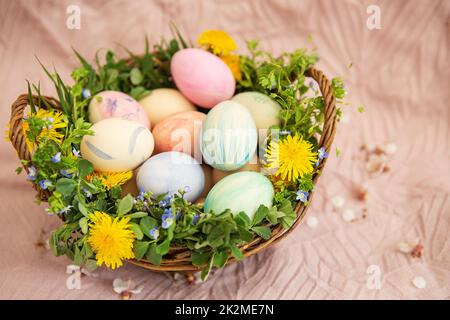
[180, 132]
[115, 104]
[202, 77]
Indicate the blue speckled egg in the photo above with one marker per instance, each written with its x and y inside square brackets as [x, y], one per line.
[170, 172]
[241, 191]
[229, 136]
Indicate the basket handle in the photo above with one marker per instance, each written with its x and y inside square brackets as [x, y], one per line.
[16, 135]
[329, 126]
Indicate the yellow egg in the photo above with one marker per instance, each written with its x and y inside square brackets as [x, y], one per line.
[117, 145]
[164, 102]
[253, 165]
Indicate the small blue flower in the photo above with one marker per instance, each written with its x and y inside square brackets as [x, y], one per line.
[86, 93]
[76, 153]
[65, 209]
[195, 218]
[167, 219]
[87, 193]
[166, 201]
[302, 196]
[32, 172]
[322, 153]
[44, 184]
[285, 132]
[66, 173]
[154, 233]
[140, 196]
[187, 189]
[57, 157]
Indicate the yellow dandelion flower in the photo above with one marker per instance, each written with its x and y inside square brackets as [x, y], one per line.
[111, 240]
[111, 179]
[218, 41]
[232, 61]
[53, 122]
[292, 157]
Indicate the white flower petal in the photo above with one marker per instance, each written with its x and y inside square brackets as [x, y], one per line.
[419, 282]
[405, 247]
[390, 148]
[338, 201]
[312, 222]
[348, 215]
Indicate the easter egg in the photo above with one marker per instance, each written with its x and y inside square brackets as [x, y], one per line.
[180, 132]
[202, 77]
[264, 110]
[241, 191]
[117, 145]
[161, 103]
[229, 136]
[168, 172]
[115, 104]
[252, 165]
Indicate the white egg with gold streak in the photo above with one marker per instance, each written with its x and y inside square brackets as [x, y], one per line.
[117, 145]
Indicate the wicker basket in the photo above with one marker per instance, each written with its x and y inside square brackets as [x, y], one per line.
[179, 259]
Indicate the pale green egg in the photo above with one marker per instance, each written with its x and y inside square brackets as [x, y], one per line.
[241, 191]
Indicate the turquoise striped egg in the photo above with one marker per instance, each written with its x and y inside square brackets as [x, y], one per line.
[168, 172]
[229, 136]
[241, 191]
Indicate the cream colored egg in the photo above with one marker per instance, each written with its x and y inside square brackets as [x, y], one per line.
[265, 111]
[164, 102]
[253, 165]
[117, 145]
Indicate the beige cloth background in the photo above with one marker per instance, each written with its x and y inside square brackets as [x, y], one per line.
[400, 73]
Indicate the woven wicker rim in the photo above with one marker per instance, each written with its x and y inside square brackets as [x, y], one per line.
[179, 259]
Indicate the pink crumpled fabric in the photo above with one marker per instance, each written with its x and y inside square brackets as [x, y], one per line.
[400, 73]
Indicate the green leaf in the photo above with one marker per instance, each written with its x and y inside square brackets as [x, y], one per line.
[140, 248]
[136, 215]
[83, 225]
[84, 211]
[287, 222]
[147, 224]
[65, 186]
[136, 76]
[199, 259]
[90, 265]
[242, 219]
[236, 253]
[163, 247]
[263, 231]
[245, 234]
[84, 168]
[260, 214]
[207, 270]
[136, 230]
[77, 258]
[220, 258]
[125, 205]
[272, 215]
[152, 256]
